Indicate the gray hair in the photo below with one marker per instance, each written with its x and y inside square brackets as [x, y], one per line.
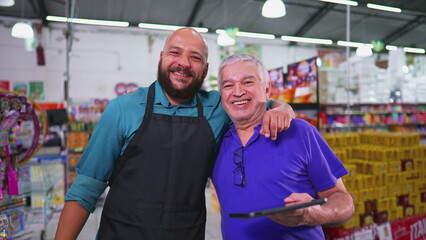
[263, 73]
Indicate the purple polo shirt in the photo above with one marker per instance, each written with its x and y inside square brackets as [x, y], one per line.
[299, 161]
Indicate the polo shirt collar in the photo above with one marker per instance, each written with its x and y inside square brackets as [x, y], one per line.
[161, 99]
[233, 133]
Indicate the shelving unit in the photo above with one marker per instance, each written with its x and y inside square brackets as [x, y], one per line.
[78, 138]
[307, 111]
[22, 133]
[401, 117]
[44, 184]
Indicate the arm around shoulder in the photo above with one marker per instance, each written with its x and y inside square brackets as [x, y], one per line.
[277, 119]
[72, 220]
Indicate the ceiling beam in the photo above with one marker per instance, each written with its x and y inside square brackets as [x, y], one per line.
[314, 19]
[404, 29]
[194, 12]
[40, 10]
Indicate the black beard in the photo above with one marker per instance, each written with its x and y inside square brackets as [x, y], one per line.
[182, 94]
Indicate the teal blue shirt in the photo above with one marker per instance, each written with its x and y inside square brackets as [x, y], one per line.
[116, 128]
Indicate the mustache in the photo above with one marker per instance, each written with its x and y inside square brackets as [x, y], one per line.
[184, 70]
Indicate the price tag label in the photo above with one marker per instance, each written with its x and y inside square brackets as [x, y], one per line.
[77, 127]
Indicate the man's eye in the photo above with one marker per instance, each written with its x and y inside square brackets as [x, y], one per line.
[248, 82]
[227, 86]
[197, 58]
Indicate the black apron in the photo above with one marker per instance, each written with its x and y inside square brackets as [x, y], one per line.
[157, 190]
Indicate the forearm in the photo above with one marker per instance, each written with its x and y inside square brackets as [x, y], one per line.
[72, 220]
[338, 209]
[283, 106]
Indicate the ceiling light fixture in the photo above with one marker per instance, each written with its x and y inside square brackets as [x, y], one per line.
[224, 40]
[384, 8]
[169, 27]
[364, 51]
[22, 30]
[391, 48]
[88, 21]
[414, 50]
[256, 35]
[307, 40]
[353, 44]
[249, 34]
[344, 2]
[273, 9]
[7, 3]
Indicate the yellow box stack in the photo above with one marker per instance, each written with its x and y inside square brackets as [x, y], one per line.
[386, 177]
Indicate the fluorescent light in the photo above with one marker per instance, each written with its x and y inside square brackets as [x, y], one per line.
[100, 22]
[391, 48]
[273, 9]
[344, 2]
[383, 8]
[88, 21]
[353, 44]
[414, 50]
[249, 34]
[255, 35]
[168, 27]
[7, 3]
[22, 30]
[220, 31]
[56, 19]
[307, 40]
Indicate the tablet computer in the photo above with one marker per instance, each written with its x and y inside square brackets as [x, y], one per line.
[278, 209]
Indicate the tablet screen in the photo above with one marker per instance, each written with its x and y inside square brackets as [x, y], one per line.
[277, 210]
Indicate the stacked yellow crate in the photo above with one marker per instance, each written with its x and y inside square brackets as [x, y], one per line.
[386, 174]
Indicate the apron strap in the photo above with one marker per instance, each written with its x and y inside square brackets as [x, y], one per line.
[150, 101]
[199, 107]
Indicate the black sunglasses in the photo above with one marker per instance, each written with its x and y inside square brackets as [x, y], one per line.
[239, 173]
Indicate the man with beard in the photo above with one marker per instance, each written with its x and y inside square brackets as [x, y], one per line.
[155, 148]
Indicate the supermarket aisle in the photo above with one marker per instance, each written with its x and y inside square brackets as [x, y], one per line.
[89, 230]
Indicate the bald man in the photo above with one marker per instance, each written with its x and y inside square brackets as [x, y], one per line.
[155, 148]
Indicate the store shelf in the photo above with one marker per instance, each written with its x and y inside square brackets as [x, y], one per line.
[360, 117]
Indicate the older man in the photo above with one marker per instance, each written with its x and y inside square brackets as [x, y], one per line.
[254, 173]
[155, 148]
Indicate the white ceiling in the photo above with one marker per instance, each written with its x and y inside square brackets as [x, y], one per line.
[305, 18]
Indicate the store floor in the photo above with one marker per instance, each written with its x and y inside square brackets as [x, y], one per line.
[92, 224]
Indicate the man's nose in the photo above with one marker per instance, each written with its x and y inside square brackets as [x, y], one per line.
[184, 61]
[239, 90]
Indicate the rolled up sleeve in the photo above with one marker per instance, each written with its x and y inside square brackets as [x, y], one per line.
[86, 191]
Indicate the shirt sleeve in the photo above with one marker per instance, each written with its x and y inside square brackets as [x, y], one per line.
[97, 163]
[269, 103]
[324, 167]
[86, 191]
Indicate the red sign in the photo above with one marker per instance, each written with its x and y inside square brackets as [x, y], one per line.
[4, 85]
[409, 228]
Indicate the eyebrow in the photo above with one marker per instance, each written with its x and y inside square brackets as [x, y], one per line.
[244, 78]
[248, 77]
[192, 52]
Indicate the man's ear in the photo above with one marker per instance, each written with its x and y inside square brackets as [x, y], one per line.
[206, 70]
[161, 57]
[268, 90]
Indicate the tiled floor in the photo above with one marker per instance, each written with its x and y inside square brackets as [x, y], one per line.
[92, 224]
